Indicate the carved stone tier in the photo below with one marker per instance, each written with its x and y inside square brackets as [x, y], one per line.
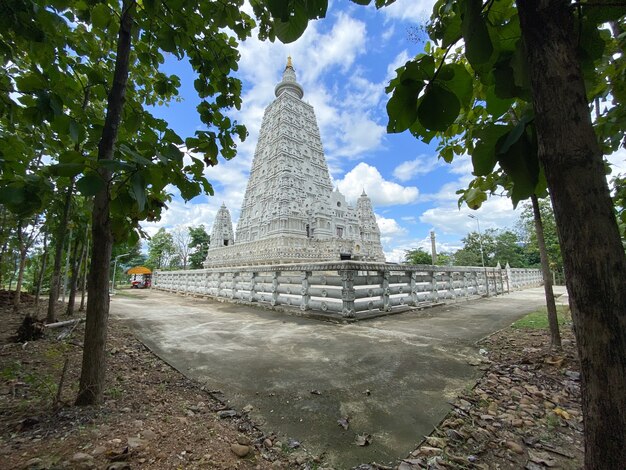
[291, 249]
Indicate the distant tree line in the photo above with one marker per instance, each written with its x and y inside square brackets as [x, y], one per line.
[179, 248]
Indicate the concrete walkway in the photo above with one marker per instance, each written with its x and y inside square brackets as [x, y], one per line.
[392, 376]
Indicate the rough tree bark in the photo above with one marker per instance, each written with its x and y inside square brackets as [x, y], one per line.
[555, 334]
[83, 284]
[94, 353]
[23, 250]
[42, 272]
[593, 255]
[74, 267]
[58, 255]
[24, 244]
[4, 238]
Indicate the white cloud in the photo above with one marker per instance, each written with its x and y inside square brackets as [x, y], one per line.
[389, 227]
[414, 11]
[618, 162]
[422, 165]
[381, 191]
[179, 213]
[447, 218]
[395, 64]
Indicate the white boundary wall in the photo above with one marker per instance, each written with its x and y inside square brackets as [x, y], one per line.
[347, 288]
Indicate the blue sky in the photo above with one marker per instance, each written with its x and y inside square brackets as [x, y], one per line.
[344, 63]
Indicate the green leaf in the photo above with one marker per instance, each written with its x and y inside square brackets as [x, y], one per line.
[67, 169]
[138, 190]
[419, 69]
[12, 195]
[29, 83]
[496, 106]
[402, 106]
[478, 46]
[438, 108]
[599, 13]
[513, 136]
[316, 8]
[90, 184]
[484, 156]
[101, 16]
[289, 28]
[279, 9]
[71, 156]
[474, 198]
[115, 165]
[74, 130]
[521, 164]
[459, 81]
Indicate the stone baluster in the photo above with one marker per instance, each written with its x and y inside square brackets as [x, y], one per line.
[434, 286]
[507, 270]
[465, 284]
[451, 286]
[347, 293]
[219, 284]
[275, 275]
[233, 286]
[306, 297]
[413, 285]
[385, 294]
[253, 276]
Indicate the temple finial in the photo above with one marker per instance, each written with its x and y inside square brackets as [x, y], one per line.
[289, 64]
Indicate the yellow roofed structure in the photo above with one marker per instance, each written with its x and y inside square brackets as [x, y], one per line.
[139, 270]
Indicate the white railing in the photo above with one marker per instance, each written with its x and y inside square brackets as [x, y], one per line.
[347, 288]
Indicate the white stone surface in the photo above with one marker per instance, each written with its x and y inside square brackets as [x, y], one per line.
[290, 212]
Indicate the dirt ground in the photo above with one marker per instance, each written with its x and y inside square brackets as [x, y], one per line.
[523, 413]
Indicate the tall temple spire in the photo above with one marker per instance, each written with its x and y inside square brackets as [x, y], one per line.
[290, 211]
[289, 83]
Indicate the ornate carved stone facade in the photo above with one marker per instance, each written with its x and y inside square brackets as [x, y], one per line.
[290, 212]
[222, 233]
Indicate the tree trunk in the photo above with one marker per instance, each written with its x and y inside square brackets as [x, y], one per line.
[68, 255]
[14, 260]
[4, 238]
[20, 279]
[75, 267]
[44, 259]
[94, 353]
[555, 334]
[58, 256]
[593, 256]
[83, 287]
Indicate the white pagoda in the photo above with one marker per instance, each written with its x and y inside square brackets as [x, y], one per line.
[290, 212]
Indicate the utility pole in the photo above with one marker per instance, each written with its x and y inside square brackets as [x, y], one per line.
[433, 247]
[482, 252]
[115, 269]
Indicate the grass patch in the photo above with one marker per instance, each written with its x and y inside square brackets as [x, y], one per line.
[539, 319]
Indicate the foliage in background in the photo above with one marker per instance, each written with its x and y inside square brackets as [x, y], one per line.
[199, 245]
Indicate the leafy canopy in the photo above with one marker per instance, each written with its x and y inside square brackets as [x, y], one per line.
[57, 67]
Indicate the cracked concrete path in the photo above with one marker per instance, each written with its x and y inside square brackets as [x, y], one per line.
[412, 364]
